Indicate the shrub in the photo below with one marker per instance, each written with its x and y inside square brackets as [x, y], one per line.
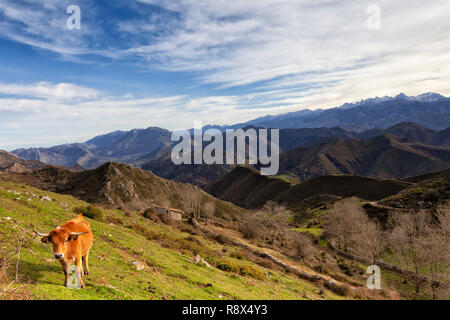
[267, 264]
[237, 255]
[212, 260]
[228, 266]
[90, 212]
[187, 245]
[190, 229]
[128, 214]
[220, 238]
[432, 196]
[298, 245]
[151, 214]
[194, 239]
[113, 220]
[341, 289]
[251, 271]
[251, 230]
[345, 268]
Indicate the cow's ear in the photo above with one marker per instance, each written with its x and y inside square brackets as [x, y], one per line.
[45, 239]
[72, 237]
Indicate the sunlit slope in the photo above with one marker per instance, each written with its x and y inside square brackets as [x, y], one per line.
[120, 249]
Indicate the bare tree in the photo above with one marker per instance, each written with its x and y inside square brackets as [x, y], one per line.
[341, 222]
[443, 215]
[399, 244]
[192, 202]
[209, 208]
[272, 216]
[348, 225]
[437, 251]
[369, 240]
[415, 229]
[422, 242]
[436, 261]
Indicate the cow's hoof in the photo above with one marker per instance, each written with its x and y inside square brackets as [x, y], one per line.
[86, 273]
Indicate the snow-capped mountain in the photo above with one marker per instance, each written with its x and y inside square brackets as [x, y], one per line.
[429, 109]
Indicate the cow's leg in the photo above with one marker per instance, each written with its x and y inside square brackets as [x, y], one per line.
[65, 266]
[86, 263]
[80, 269]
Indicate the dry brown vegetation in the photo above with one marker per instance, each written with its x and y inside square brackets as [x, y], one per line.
[421, 239]
[270, 226]
[418, 241]
[11, 285]
[349, 226]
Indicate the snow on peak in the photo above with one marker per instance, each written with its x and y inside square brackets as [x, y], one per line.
[425, 97]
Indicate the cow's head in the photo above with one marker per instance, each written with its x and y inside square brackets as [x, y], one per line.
[60, 239]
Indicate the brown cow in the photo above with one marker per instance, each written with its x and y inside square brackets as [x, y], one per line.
[71, 243]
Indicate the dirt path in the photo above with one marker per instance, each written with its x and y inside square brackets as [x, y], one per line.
[277, 258]
[380, 206]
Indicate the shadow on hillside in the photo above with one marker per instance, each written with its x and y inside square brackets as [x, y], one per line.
[34, 271]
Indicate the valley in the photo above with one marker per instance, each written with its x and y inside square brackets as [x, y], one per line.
[217, 159]
[310, 232]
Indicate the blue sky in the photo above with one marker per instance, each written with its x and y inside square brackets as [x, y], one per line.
[141, 63]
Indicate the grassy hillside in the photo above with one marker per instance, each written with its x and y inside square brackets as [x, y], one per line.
[429, 176]
[343, 186]
[415, 132]
[423, 195]
[124, 241]
[117, 185]
[247, 188]
[383, 157]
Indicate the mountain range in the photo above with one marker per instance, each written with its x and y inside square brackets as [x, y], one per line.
[383, 157]
[404, 150]
[351, 139]
[138, 145]
[430, 109]
[121, 146]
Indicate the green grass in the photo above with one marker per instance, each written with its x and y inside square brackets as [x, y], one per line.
[169, 273]
[315, 231]
[288, 178]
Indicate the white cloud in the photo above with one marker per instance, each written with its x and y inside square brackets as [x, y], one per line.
[60, 91]
[284, 55]
[252, 41]
[49, 113]
[46, 119]
[247, 42]
[42, 24]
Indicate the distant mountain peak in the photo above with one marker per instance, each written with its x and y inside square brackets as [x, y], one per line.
[430, 97]
[425, 97]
